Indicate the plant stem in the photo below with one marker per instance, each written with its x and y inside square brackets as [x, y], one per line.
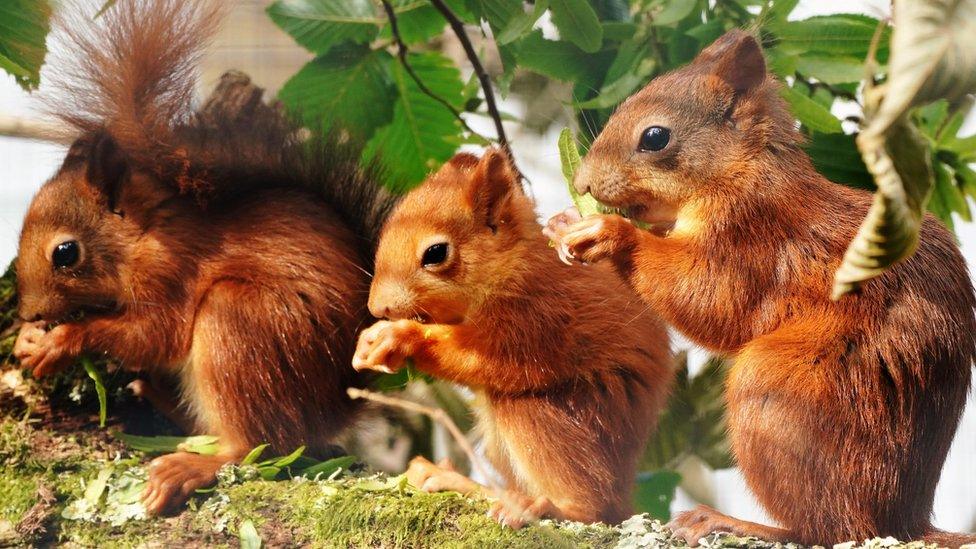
[435, 414]
[402, 56]
[457, 26]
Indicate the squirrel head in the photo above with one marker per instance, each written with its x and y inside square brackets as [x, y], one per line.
[452, 241]
[78, 232]
[690, 135]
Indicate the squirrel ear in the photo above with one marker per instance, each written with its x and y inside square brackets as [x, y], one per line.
[736, 58]
[492, 185]
[107, 168]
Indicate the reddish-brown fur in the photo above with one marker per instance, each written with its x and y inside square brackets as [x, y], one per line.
[219, 251]
[571, 372]
[840, 414]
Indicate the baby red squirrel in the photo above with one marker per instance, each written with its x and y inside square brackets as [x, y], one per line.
[570, 371]
[218, 249]
[840, 414]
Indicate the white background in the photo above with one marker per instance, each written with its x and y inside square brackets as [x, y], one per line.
[25, 165]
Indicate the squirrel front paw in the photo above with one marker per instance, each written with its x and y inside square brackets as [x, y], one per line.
[386, 345]
[45, 352]
[594, 238]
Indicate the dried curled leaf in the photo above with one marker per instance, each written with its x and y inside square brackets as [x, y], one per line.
[933, 55]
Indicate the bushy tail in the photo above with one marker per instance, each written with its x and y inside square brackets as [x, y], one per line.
[949, 539]
[130, 74]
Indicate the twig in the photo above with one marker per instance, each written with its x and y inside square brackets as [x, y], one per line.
[457, 26]
[402, 56]
[11, 126]
[435, 414]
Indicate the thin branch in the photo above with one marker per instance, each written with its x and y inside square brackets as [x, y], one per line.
[26, 128]
[402, 56]
[435, 414]
[457, 26]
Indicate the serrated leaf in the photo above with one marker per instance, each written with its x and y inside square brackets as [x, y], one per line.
[577, 23]
[933, 57]
[24, 25]
[810, 113]
[843, 34]
[569, 158]
[319, 25]
[349, 87]
[654, 493]
[417, 20]
[831, 69]
[417, 139]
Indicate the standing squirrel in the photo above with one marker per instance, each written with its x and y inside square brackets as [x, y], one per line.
[220, 250]
[840, 414]
[570, 371]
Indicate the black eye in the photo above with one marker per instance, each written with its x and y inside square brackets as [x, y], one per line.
[434, 255]
[654, 138]
[66, 254]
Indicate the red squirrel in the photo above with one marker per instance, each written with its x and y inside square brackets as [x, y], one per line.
[840, 413]
[226, 252]
[570, 371]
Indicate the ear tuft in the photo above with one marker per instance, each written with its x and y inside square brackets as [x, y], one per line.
[736, 58]
[463, 161]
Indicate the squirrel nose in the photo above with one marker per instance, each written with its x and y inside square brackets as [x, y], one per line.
[389, 300]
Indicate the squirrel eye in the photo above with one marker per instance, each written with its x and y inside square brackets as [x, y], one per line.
[654, 138]
[434, 255]
[66, 254]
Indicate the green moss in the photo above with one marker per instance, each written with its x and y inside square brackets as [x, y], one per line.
[18, 493]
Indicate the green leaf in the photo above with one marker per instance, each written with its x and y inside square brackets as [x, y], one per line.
[780, 10]
[24, 25]
[248, 534]
[557, 59]
[417, 20]
[577, 23]
[498, 13]
[844, 34]
[947, 198]
[966, 178]
[198, 444]
[810, 113]
[693, 424]
[290, 458]
[319, 25]
[521, 24]
[327, 468]
[836, 157]
[96, 378]
[254, 454]
[569, 158]
[672, 12]
[831, 69]
[655, 492]
[349, 87]
[418, 138]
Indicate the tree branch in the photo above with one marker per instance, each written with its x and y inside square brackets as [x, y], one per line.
[402, 56]
[435, 414]
[457, 26]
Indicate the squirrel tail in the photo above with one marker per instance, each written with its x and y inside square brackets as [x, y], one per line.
[130, 74]
[130, 70]
[949, 539]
